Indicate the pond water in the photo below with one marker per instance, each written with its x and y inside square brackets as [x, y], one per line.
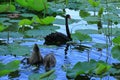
[72, 57]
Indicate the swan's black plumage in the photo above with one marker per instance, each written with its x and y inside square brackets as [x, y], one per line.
[58, 38]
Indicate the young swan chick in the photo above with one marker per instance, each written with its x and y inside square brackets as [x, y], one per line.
[36, 58]
[49, 61]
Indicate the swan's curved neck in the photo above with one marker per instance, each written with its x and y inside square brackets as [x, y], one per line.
[67, 29]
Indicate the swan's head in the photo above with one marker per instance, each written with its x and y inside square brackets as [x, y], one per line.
[68, 16]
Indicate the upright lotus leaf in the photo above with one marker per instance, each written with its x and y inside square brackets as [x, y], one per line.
[48, 20]
[94, 3]
[25, 22]
[45, 21]
[2, 28]
[36, 19]
[39, 5]
[100, 12]
[7, 8]
[102, 68]
[66, 2]
[22, 2]
[116, 52]
[81, 37]
[9, 67]
[12, 8]
[30, 4]
[2, 8]
[84, 13]
[116, 40]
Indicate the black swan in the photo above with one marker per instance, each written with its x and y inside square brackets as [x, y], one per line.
[49, 61]
[36, 58]
[58, 38]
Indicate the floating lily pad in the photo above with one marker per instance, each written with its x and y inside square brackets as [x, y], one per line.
[45, 76]
[116, 40]
[90, 68]
[62, 21]
[41, 32]
[116, 52]
[81, 37]
[99, 45]
[88, 31]
[18, 50]
[27, 15]
[9, 67]
[4, 19]
[3, 50]
[11, 34]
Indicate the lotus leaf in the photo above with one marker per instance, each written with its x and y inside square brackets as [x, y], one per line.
[9, 67]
